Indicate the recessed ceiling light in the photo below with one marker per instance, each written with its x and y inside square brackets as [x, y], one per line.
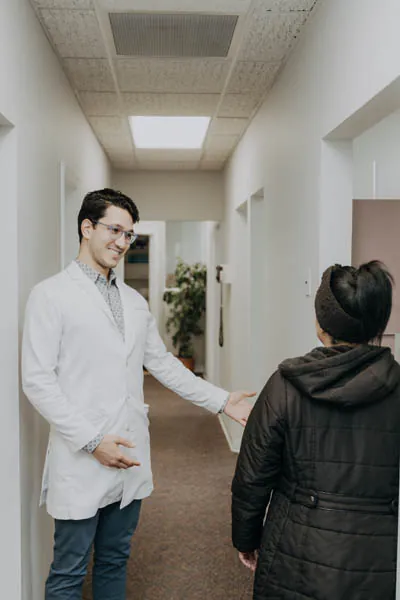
[169, 132]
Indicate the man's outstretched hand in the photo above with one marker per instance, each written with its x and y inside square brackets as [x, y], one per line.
[237, 407]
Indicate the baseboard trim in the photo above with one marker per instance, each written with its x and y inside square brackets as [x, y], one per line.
[232, 446]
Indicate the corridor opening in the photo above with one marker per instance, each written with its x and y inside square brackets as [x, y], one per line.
[136, 267]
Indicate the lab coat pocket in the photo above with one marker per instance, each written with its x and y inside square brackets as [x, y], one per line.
[138, 432]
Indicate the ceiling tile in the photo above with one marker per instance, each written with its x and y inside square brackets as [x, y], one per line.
[211, 165]
[109, 125]
[238, 105]
[99, 103]
[252, 77]
[157, 75]
[75, 33]
[121, 157]
[221, 143]
[170, 104]
[90, 74]
[127, 156]
[112, 132]
[227, 126]
[121, 146]
[121, 162]
[284, 5]
[73, 4]
[144, 155]
[122, 152]
[271, 35]
[213, 156]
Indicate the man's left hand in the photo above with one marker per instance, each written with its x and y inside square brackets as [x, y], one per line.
[237, 407]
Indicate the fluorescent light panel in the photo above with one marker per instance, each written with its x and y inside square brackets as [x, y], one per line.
[169, 133]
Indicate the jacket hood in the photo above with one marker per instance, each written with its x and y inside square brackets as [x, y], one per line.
[344, 375]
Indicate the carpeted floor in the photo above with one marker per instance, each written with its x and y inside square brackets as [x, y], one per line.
[182, 548]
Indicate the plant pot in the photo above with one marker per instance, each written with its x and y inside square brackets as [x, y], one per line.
[188, 362]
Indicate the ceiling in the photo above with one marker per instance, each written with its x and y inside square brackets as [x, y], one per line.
[167, 57]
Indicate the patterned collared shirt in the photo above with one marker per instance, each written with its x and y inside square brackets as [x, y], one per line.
[110, 292]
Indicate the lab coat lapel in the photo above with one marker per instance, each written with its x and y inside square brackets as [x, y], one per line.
[89, 288]
[130, 315]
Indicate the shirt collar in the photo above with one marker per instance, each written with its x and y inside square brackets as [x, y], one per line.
[95, 276]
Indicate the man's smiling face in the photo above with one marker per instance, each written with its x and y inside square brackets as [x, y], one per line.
[105, 251]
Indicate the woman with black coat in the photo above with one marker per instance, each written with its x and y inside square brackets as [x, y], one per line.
[321, 450]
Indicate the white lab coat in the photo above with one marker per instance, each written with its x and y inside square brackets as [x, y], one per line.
[83, 378]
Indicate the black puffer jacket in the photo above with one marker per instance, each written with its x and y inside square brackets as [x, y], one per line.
[324, 437]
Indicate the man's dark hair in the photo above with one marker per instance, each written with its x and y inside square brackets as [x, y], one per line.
[366, 294]
[95, 204]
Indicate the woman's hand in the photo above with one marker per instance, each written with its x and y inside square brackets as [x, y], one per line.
[249, 559]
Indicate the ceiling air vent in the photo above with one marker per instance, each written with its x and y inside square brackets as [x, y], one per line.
[172, 35]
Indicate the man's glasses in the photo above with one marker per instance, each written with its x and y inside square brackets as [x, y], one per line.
[116, 231]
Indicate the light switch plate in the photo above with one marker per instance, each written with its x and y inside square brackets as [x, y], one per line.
[307, 282]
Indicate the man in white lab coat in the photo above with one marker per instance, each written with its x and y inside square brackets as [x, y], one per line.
[86, 338]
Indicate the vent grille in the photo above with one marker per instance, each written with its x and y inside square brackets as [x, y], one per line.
[172, 35]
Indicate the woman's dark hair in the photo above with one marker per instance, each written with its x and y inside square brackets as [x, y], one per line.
[95, 204]
[366, 294]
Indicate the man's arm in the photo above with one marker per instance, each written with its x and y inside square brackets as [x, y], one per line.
[171, 373]
[40, 351]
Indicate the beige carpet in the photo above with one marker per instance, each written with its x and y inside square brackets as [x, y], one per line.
[182, 548]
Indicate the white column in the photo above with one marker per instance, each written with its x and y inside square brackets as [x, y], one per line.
[336, 204]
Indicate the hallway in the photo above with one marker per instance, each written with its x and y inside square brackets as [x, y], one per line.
[300, 124]
[182, 550]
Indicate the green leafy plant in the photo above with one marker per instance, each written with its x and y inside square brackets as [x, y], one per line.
[188, 305]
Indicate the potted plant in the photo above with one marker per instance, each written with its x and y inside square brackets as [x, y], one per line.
[188, 305]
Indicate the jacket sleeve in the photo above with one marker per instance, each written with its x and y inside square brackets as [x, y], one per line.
[171, 373]
[40, 353]
[258, 466]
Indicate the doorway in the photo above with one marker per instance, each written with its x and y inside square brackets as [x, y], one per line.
[136, 267]
[376, 225]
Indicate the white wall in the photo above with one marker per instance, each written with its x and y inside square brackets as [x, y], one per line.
[174, 196]
[377, 159]
[10, 521]
[48, 128]
[329, 80]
